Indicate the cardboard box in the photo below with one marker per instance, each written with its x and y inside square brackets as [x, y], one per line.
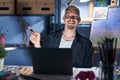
[45, 8]
[35, 7]
[114, 3]
[7, 1]
[26, 7]
[7, 7]
[46, 1]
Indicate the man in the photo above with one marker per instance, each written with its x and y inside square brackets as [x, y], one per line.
[69, 38]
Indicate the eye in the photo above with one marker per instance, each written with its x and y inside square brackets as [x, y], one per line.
[71, 17]
[76, 17]
[67, 16]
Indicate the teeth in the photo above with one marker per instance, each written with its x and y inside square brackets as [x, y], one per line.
[71, 22]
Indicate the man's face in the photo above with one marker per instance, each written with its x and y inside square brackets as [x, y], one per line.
[71, 19]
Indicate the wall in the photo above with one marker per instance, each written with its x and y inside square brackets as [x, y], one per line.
[15, 28]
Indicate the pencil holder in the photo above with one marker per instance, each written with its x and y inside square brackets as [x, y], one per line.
[108, 71]
[2, 39]
[107, 49]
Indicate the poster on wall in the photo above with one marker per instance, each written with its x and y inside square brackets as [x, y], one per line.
[100, 13]
[109, 28]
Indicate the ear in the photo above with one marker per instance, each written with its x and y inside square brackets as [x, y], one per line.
[63, 17]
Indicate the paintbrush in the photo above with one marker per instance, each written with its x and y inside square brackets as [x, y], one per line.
[29, 27]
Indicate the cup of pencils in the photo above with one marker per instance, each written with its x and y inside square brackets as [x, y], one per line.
[107, 50]
[2, 39]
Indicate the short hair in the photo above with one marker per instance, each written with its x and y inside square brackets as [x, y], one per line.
[73, 8]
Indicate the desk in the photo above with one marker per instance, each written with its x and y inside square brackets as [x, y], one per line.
[18, 69]
[66, 77]
[11, 72]
[28, 70]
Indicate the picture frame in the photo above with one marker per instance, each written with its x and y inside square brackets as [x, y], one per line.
[100, 13]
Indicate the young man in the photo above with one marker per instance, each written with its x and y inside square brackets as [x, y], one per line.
[69, 38]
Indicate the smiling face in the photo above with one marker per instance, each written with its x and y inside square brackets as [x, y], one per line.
[71, 18]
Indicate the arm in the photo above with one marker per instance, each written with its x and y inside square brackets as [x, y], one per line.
[88, 59]
[35, 39]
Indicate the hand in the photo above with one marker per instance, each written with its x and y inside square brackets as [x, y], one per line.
[35, 38]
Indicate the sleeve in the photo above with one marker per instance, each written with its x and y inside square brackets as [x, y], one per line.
[82, 53]
[46, 41]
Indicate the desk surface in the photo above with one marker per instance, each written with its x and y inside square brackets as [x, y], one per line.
[28, 70]
[18, 69]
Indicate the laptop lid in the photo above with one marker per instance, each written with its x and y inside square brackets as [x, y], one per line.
[52, 61]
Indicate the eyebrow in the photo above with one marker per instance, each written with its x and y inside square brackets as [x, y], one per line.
[70, 15]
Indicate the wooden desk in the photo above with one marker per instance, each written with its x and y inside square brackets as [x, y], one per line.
[18, 69]
[65, 77]
[23, 69]
[11, 72]
[26, 70]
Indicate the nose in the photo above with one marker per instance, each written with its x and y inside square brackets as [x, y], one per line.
[72, 17]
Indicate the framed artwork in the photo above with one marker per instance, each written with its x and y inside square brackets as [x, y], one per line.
[100, 13]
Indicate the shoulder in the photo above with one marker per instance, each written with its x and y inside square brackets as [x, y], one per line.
[57, 33]
[83, 39]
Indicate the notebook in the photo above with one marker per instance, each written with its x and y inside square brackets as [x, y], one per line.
[52, 61]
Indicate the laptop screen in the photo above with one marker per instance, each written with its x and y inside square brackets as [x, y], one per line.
[52, 61]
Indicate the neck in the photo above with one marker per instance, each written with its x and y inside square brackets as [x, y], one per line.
[68, 34]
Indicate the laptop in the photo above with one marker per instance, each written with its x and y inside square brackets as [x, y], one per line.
[52, 61]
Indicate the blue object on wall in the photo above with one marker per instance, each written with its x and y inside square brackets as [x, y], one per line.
[18, 56]
[14, 26]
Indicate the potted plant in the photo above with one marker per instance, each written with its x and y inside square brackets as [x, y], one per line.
[3, 54]
[102, 2]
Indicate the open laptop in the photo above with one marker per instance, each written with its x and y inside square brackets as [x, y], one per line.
[52, 61]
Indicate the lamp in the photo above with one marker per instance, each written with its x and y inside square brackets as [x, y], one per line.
[84, 0]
